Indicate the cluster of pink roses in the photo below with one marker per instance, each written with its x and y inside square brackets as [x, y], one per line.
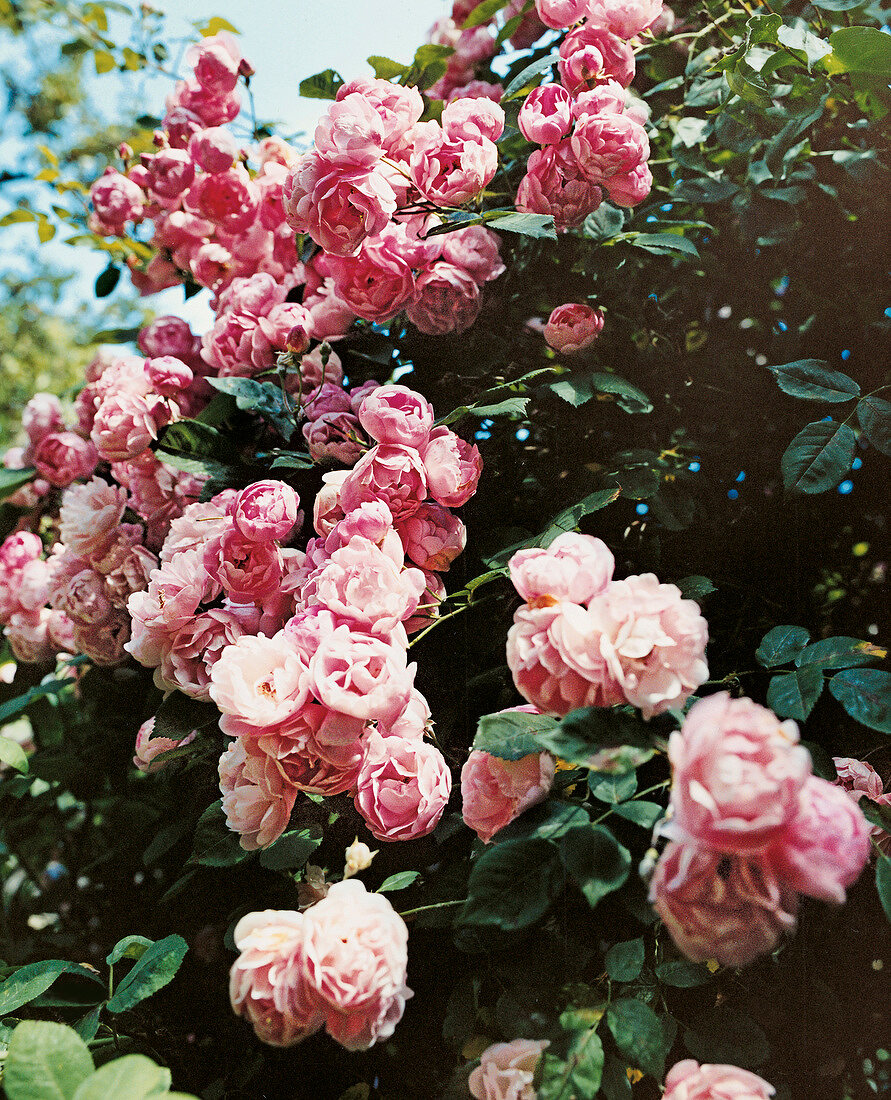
[583, 639]
[340, 965]
[750, 827]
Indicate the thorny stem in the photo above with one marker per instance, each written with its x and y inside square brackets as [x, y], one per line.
[436, 905]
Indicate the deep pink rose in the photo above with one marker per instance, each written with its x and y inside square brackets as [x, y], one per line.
[447, 299]
[687, 1080]
[453, 468]
[396, 414]
[248, 571]
[715, 906]
[573, 326]
[116, 201]
[334, 436]
[388, 472]
[451, 172]
[376, 283]
[507, 1070]
[631, 188]
[266, 510]
[546, 114]
[558, 14]
[495, 791]
[608, 145]
[214, 149]
[574, 567]
[738, 773]
[228, 199]
[170, 174]
[168, 375]
[554, 185]
[362, 675]
[62, 457]
[590, 54]
[216, 60]
[403, 787]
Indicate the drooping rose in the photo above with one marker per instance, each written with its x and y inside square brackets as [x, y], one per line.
[403, 787]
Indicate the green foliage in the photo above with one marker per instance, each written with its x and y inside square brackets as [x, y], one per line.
[45, 1062]
[154, 969]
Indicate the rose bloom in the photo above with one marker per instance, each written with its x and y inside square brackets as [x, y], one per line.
[554, 185]
[89, 513]
[453, 468]
[737, 774]
[624, 18]
[473, 118]
[257, 797]
[259, 680]
[688, 1080]
[433, 537]
[574, 567]
[506, 1070]
[546, 114]
[715, 906]
[558, 14]
[350, 134]
[590, 55]
[388, 472]
[62, 457]
[608, 145]
[362, 675]
[447, 299]
[403, 787]
[148, 747]
[857, 777]
[355, 954]
[266, 510]
[396, 414]
[450, 172]
[573, 326]
[474, 250]
[334, 436]
[495, 791]
[399, 108]
[376, 283]
[42, 415]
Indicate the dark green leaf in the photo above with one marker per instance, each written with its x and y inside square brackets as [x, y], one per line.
[840, 653]
[615, 1084]
[682, 974]
[547, 821]
[574, 391]
[512, 885]
[569, 518]
[263, 398]
[178, 716]
[291, 460]
[428, 65]
[513, 406]
[400, 881]
[727, 1037]
[292, 849]
[638, 482]
[781, 645]
[87, 1026]
[874, 416]
[628, 396]
[748, 84]
[581, 733]
[195, 447]
[666, 242]
[22, 702]
[818, 457]
[624, 961]
[130, 947]
[215, 843]
[579, 1075]
[596, 860]
[793, 694]
[696, 588]
[876, 813]
[641, 812]
[511, 734]
[527, 75]
[604, 223]
[45, 1061]
[612, 789]
[482, 13]
[28, 982]
[822, 762]
[154, 969]
[323, 85]
[811, 379]
[838, 5]
[883, 883]
[860, 50]
[704, 190]
[801, 40]
[10, 480]
[865, 693]
[638, 1033]
[107, 280]
[530, 225]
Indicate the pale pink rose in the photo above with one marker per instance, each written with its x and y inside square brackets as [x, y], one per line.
[450, 172]
[105, 642]
[388, 472]
[857, 777]
[116, 201]
[825, 845]
[555, 662]
[738, 773]
[605, 98]
[355, 953]
[259, 680]
[257, 798]
[376, 283]
[126, 424]
[725, 907]
[28, 635]
[412, 723]
[470, 119]
[590, 54]
[372, 520]
[317, 750]
[474, 250]
[546, 115]
[247, 571]
[33, 587]
[403, 787]
[453, 468]
[350, 134]
[687, 1080]
[554, 185]
[362, 675]
[573, 326]
[624, 18]
[185, 663]
[399, 108]
[507, 1070]
[433, 537]
[558, 14]
[495, 791]
[266, 510]
[216, 60]
[609, 145]
[42, 415]
[574, 567]
[629, 189]
[198, 524]
[214, 149]
[89, 513]
[327, 509]
[396, 414]
[62, 457]
[447, 299]
[477, 89]
[148, 747]
[266, 983]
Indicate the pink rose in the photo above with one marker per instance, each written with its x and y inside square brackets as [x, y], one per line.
[62, 457]
[186, 658]
[41, 416]
[573, 326]
[148, 747]
[170, 174]
[447, 299]
[473, 119]
[624, 18]
[334, 436]
[857, 777]
[403, 787]
[554, 185]
[531, 27]
[126, 424]
[590, 54]
[825, 845]
[453, 468]
[433, 537]
[399, 108]
[687, 1080]
[168, 375]
[451, 172]
[723, 907]
[396, 414]
[351, 134]
[104, 643]
[257, 798]
[229, 199]
[495, 791]
[116, 201]
[546, 114]
[216, 62]
[376, 283]
[355, 953]
[327, 509]
[631, 188]
[248, 571]
[85, 601]
[388, 472]
[507, 1070]
[266, 510]
[362, 675]
[89, 513]
[474, 250]
[214, 149]
[738, 773]
[28, 635]
[558, 14]
[609, 145]
[259, 680]
[574, 567]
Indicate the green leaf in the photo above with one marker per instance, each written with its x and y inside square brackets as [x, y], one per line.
[748, 84]
[641, 812]
[527, 75]
[292, 849]
[569, 518]
[838, 5]
[582, 733]
[292, 460]
[604, 223]
[613, 788]
[12, 754]
[512, 885]
[574, 391]
[87, 1026]
[106, 281]
[666, 242]
[727, 1037]
[876, 813]
[130, 947]
[638, 1033]
[547, 821]
[196, 448]
[45, 1062]
[29, 982]
[263, 398]
[615, 1084]
[579, 1075]
[682, 974]
[385, 68]
[214, 26]
[133, 1077]
[512, 734]
[793, 694]
[801, 40]
[322, 85]
[628, 396]
[860, 50]
[822, 762]
[865, 693]
[215, 843]
[883, 883]
[596, 860]
[10, 480]
[781, 645]
[874, 416]
[21, 702]
[624, 961]
[818, 457]
[530, 225]
[482, 13]
[810, 379]
[152, 971]
[399, 881]
[513, 406]
[428, 65]
[704, 190]
[178, 716]
[840, 653]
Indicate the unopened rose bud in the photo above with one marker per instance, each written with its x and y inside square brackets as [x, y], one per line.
[245, 68]
[313, 888]
[125, 151]
[358, 858]
[297, 340]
